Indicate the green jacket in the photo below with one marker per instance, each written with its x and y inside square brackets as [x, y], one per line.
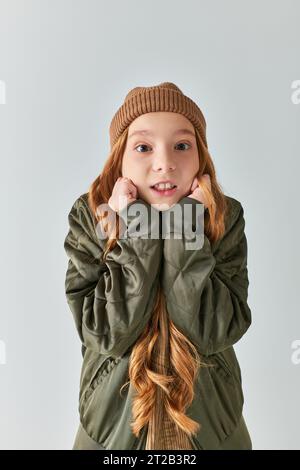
[206, 293]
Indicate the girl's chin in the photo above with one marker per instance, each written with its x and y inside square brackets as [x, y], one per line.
[163, 203]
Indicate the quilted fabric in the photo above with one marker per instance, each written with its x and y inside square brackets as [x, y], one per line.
[206, 292]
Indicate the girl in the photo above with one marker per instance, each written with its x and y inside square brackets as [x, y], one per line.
[158, 321]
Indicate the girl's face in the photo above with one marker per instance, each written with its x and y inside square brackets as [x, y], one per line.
[161, 146]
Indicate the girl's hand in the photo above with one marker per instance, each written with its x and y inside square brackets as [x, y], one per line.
[124, 192]
[197, 192]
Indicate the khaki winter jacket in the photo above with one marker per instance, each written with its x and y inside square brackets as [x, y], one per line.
[206, 294]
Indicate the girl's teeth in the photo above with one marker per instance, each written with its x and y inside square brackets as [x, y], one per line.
[164, 186]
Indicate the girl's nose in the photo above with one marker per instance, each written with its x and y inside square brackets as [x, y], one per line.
[164, 162]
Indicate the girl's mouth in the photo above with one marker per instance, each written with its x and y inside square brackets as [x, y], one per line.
[164, 191]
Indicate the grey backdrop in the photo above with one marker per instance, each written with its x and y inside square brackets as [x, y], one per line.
[65, 68]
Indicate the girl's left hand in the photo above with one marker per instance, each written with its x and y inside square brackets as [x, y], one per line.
[196, 188]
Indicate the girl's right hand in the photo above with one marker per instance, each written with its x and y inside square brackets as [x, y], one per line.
[124, 192]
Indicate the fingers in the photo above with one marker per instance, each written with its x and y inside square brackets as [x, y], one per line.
[124, 179]
[130, 185]
[194, 184]
[206, 179]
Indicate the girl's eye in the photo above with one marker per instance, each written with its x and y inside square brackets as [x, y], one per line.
[183, 143]
[141, 145]
[147, 147]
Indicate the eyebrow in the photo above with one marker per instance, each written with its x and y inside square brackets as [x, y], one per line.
[147, 132]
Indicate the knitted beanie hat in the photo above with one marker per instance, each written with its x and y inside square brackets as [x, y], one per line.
[163, 97]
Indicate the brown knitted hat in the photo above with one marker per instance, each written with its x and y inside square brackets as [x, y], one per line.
[163, 97]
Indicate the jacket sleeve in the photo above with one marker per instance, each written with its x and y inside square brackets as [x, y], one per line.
[111, 301]
[206, 289]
